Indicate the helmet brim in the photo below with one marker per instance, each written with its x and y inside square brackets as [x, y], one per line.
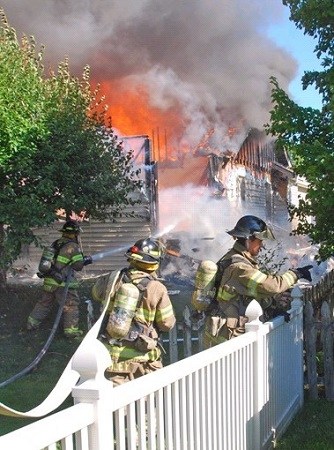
[142, 258]
[266, 234]
[238, 234]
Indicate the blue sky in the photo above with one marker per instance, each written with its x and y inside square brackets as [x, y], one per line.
[301, 47]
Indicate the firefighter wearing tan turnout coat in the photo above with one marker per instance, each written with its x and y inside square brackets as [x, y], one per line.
[137, 352]
[240, 281]
[69, 259]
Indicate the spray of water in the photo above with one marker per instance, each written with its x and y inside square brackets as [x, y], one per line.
[167, 229]
[113, 251]
[109, 252]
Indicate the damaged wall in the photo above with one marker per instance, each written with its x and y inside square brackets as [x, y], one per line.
[252, 178]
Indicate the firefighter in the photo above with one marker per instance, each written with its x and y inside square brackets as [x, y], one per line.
[137, 351]
[68, 258]
[239, 280]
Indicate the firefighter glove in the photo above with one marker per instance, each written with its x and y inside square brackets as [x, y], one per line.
[303, 272]
[88, 260]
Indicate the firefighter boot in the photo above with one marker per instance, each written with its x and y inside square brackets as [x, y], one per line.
[72, 332]
[32, 324]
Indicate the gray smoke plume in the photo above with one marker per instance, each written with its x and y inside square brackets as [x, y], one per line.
[209, 59]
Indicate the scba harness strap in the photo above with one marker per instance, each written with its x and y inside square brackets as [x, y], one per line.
[48, 259]
[137, 328]
[214, 308]
[140, 336]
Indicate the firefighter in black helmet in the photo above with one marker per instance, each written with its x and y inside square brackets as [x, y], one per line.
[68, 256]
[239, 280]
[136, 352]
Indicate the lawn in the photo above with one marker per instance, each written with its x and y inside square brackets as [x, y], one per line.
[312, 428]
[18, 348]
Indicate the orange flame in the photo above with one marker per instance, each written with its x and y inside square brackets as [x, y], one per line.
[132, 114]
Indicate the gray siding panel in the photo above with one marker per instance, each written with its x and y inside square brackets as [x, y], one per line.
[110, 238]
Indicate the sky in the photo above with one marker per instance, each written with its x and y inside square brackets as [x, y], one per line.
[301, 47]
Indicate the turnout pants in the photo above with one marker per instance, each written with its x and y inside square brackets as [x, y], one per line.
[71, 309]
[230, 324]
[129, 370]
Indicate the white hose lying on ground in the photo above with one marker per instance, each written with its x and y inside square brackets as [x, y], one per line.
[69, 377]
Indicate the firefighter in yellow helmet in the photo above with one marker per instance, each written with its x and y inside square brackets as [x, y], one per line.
[239, 280]
[137, 314]
[68, 257]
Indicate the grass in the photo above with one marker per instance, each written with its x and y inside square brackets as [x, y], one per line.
[310, 430]
[18, 348]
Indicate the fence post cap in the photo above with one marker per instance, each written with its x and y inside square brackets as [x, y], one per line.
[91, 360]
[296, 292]
[254, 311]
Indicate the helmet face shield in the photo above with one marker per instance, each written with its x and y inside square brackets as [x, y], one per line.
[267, 233]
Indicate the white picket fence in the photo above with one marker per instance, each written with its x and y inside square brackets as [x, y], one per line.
[239, 395]
[319, 337]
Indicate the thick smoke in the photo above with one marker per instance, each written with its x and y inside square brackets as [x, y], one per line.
[209, 59]
[200, 222]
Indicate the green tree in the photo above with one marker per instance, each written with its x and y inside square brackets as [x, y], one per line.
[308, 133]
[56, 152]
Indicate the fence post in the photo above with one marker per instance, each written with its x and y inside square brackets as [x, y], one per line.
[173, 351]
[187, 332]
[297, 297]
[254, 312]
[91, 361]
[327, 328]
[311, 351]
[192, 325]
[297, 306]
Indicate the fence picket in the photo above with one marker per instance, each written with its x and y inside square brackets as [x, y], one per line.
[318, 336]
[173, 347]
[311, 352]
[327, 341]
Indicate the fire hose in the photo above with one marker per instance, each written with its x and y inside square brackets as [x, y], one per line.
[48, 342]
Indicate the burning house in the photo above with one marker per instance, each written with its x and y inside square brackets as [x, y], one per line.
[215, 188]
[190, 80]
[190, 202]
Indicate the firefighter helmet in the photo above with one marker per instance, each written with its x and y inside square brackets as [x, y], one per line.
[146, 251]
[251, 226]
[70, 226]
